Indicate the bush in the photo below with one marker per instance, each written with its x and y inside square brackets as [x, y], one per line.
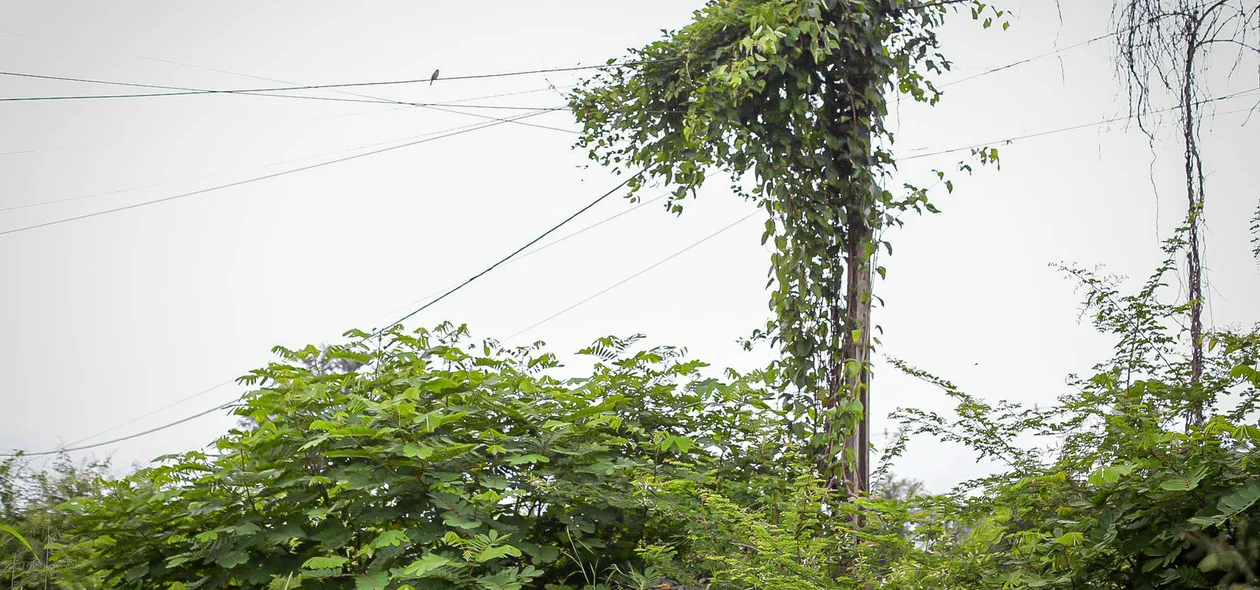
[439, 463]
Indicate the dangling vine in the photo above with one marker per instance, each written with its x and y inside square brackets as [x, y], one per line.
[1166, 44]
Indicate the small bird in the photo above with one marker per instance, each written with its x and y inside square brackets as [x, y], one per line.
[433, 77]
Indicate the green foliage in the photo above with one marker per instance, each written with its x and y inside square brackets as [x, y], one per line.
[32, 522]
[1255, 234]
[438, 463]
[1125, 494]
[788, 98]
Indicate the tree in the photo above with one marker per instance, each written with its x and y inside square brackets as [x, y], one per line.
[788, 98]
[1167, 44]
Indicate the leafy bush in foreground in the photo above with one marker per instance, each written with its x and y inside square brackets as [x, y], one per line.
[439, 464]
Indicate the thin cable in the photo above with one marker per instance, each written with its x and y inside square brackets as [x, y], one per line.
[310, 86]
[151, 413]
[71, 448]
[363, 99]
[508, 257]
[270, 124]
[235, 171]
[529, 253]
[125, 438]
[261, 178]
[1081, 126]
[632, 277]
[1030, 59]
[50, 149]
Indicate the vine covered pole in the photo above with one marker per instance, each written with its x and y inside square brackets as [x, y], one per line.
[856, 92]
[788, 99]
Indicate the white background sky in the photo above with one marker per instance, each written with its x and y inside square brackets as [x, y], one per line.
[108, 318]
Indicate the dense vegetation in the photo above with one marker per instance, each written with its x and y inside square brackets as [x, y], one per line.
[444, 463]
[428, 460]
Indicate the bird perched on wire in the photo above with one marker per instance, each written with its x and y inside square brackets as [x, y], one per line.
[433, 78]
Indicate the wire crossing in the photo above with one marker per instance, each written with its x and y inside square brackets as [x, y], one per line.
[599, 293]
[298, 88]
[189, 90]
[448, 293]
[263, 177]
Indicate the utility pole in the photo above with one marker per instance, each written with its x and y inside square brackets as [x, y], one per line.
[854, 112]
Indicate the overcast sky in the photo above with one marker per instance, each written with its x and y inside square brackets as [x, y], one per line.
[107, 318]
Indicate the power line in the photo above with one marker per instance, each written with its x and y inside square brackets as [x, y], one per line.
[183, 90]
[604, 291]
[487, 270]
[537, 250]
[188, 90]
[125, 438]
[607, 289]
[1030, 59]
[509, 256]
[264, 177]
[633, 276]
[153, 412]
[279, 123]
[296, 88]
[1080, 126]
[216, 174]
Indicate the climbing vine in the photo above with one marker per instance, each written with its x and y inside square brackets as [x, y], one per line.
[788, 98]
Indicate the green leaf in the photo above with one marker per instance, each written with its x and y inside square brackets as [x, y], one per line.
[390, 539]
[1178, 484]
[426, 565]
[682, 443]
[1071, 539]
[1231, 505]
[373, 580]
[454, 520]
[16, 535]
[417, 451]
[530, 458]
[1211, 562]
[231, 559]
[332, 562]
[490, 553]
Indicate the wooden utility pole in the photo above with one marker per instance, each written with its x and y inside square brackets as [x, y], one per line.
[857, 347]
[849, 372]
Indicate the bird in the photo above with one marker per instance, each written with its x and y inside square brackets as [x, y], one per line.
[433, 77]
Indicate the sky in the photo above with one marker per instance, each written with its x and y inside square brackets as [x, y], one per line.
[110, 317]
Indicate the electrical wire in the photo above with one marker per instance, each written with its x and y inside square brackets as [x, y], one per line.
[238, 170]
[263, 177]
[533, 252]
[1030, 59]
[632, 277]
[508, 257]
[554, 228]
[1080, 126]
[278, 123]
[298, 88]
[182, 400]
[71, 448]
[595, 295]
[125, 438]
[362, 99]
